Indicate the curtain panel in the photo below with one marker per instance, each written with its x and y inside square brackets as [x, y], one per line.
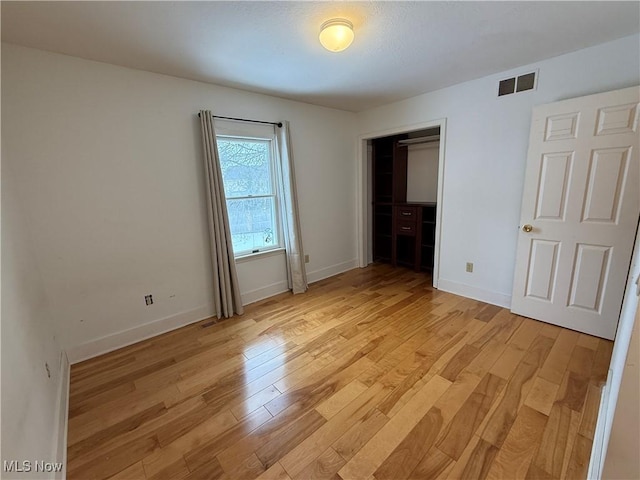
[296, 274]
[226, 291]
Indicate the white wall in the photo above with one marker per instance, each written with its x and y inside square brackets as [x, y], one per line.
[30, 410]
[422, 172]
[109, 163]
[485, 154]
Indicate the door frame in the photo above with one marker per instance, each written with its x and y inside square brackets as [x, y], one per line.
[363, 207]
[611, 389]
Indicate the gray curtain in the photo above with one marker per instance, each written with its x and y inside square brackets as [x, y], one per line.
[226, 292]
[296, 274]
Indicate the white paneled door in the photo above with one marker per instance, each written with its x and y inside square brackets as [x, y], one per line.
[580, 209]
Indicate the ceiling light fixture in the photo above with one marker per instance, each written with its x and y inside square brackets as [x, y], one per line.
[336, 34]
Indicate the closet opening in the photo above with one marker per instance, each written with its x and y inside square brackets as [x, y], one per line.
[402, 175]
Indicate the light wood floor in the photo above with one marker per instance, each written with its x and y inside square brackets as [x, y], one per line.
[371, 374]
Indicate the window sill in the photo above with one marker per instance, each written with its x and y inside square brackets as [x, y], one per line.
[254, 256]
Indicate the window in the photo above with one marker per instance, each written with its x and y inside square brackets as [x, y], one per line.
[248, 173]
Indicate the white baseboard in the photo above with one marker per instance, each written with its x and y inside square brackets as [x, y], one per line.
[62, 410]
[327, 272]
[281, 287]
[264, 292]
[598, 448]
[118, 340]
[475, 293]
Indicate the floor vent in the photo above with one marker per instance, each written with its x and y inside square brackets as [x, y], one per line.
[521, 83]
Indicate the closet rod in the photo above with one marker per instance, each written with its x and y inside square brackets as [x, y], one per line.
[279, 124]
[413, 141]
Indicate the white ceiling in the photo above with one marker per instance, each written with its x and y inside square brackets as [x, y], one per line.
[401, 49]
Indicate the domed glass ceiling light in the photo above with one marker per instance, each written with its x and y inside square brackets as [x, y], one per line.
[336, 34]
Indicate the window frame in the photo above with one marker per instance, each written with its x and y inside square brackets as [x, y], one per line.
[240, 131]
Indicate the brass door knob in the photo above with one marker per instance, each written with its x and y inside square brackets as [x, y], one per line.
[527, 228]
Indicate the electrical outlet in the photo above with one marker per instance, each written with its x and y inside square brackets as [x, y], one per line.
[469, 267]
[148, 299]
[306, 259]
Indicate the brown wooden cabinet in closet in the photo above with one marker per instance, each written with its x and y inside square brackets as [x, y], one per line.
[403, 232]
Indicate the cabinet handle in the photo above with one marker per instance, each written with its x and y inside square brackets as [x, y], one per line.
[406, 214]
[405, 228]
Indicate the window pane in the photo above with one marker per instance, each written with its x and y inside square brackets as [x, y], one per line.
[246, 166]
[252, 223]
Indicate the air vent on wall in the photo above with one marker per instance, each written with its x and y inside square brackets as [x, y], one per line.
[521, 83]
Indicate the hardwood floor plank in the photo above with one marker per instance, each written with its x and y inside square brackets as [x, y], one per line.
[175, 470]
[498, 329]
[555, 447]
[508, 361]
[475, 461]
[515, 456]
[255, 401]
[325, 467]
[81, 406]
[250, 467]
[456, 395]
[134, 471]
[149, 428]
[579, 461]
[115, 460]
[551, 331]
[581, 360]
[327, 434]
[487, 357]
[128, 424]
[601, 362]
[371, 456]
[433, 465]
[407, 455]
[459, 432]
[460, 361]
[291, 423]
[480, 462]
[558, 359]
[590, 412]
[360, 433]
[116, 412]
[319, 386]
[210, 470]
[537, 473]
[487, 313]
[501, 419]
[206, 451]
[573, 391]
[288, 438]
[276, 472]
[588, 341]
[526, 333]
[542, 395]
[413, 371]
[209, 429]
[331, 406]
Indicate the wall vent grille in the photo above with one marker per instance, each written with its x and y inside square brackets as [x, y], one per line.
[521, 83]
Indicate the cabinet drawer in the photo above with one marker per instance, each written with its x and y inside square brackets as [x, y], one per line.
[406, 227]
[406, 213]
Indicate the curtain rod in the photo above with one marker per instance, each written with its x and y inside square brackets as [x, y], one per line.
[279, 124]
